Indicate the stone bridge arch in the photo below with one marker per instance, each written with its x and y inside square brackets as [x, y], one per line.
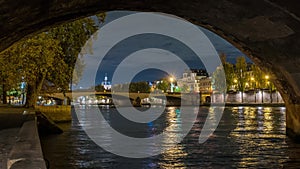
[268, 31]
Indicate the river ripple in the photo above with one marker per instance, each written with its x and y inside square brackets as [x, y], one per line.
[247, 137]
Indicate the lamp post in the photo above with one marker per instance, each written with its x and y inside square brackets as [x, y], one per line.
[267, 78]
[270, 89]
[254, 88]
[235, 83]
[235, 87]
[172, 85]
[247, 85]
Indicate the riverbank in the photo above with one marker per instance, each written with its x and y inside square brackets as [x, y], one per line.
[19, 139]
[11, 120]
[231, 104]
[8, 138]
[12, 116]
[256, 104]
[247, 104]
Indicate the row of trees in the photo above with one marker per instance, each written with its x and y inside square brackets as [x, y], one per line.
[241, 76]
[47, 60]
[135, 87]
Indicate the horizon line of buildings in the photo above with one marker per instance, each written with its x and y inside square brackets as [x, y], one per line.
[192, 80]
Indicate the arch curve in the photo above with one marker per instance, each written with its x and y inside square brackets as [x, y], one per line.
[267, 31]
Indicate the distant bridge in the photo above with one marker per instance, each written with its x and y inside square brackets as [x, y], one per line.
[132, 96]
[76, 94]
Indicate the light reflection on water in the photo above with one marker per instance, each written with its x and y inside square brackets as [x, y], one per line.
[247, 137]
[176, 153]
[260, 135]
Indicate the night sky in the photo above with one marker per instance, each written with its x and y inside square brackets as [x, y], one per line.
[126, 47]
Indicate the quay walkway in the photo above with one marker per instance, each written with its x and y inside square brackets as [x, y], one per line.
[19, 140]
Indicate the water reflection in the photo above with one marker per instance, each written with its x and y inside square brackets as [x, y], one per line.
[246, 137]
[174, 156]
[260, 136]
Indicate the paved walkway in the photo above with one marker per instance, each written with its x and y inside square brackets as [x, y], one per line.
[11, 119]
[8, 138]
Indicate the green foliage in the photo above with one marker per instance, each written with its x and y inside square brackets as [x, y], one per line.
[7, 69]
[99, 88]
[137, 87]
[56, 113]
[258, 77]
[218, 79]
[35, 60]
[72, 37]
[230, 75]
[185, 88]
[13, 92]
[238, 76]
[218, 75]
[178, 90]
[133, 87]
[32, 59]
[48, 58]
[163, 85]
[241, 73]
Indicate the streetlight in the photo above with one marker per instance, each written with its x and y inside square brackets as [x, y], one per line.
[254, 88]
[172, 85]
[270, 89]
[252, 80]
[262, 99]
[247, 84]
[267, 77]
[235, 83]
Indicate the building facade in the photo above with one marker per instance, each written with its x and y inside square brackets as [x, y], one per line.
[106, 84]
[195, 80]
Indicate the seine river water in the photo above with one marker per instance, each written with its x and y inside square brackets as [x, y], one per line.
[247, 137]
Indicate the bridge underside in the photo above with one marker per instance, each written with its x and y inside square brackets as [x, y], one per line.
[268, 31]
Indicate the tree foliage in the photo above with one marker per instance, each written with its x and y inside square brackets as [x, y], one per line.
[137, 87]
[133, 87]
[47, 59]
[99, 88]
[242, 77]
[218, 79]
[241, 73]
[72, 37]
[164, 85]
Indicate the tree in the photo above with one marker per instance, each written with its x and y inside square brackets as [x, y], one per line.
[48, 58]
[7, 72]
[258, 76]
[99, 88]
[241, 74]
[163, 85]
[185, 88]
[72, 37]
[218, 79]
[229, 71]
[35, 60]
[136, 87]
